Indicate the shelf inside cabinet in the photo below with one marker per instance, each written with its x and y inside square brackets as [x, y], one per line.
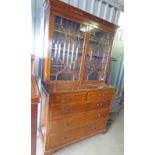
[69, 34]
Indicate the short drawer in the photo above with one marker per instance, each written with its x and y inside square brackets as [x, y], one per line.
[77, 120]
[68, 98]
[70, 136]
[100, 95]
[61, 110]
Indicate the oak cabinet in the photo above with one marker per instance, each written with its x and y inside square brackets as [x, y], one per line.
[75, 98]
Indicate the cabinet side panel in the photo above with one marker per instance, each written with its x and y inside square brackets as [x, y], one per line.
[48, 35]
[44, 115]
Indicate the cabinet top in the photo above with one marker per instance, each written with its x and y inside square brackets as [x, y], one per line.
[62, 7]
[70, 88]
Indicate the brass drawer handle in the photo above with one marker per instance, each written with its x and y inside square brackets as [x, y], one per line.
[101, 95]
[65, 138]
[95, 127]
[98, 116]
[67, 123]
[99, 105]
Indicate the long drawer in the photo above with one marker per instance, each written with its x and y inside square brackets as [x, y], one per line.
[70, 136]
[68, 98]
[100, 95]
[58, 111]
[66, 123]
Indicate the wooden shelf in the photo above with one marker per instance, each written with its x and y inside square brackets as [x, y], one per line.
[63, 66]
[95, 41]
[62, 32]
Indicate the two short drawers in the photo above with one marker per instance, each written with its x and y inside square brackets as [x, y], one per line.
[81, 97]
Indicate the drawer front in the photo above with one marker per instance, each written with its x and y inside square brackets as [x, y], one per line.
[58, 111]
[77, 120]
[100, 95]
[67, 137]
[68, 98]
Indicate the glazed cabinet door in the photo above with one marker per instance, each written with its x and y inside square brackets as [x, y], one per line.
[99, 43]
[66, 49]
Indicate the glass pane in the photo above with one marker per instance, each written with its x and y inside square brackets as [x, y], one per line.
[67, 47]
[98, 49]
